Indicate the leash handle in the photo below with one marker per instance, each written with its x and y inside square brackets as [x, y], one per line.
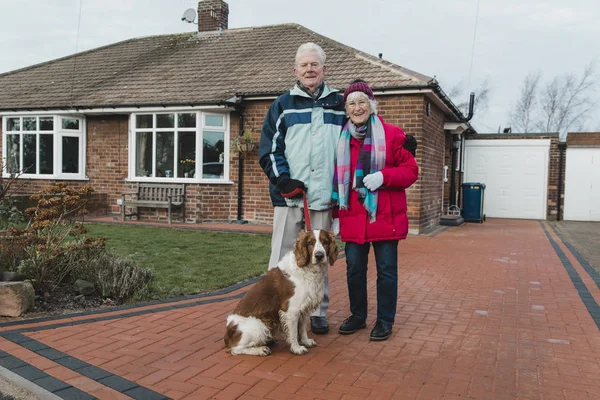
[307, 226]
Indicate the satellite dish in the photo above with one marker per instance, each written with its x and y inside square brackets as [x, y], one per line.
[189, 15]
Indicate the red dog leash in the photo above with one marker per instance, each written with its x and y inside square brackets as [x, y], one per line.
[307, 226]
[294, 193]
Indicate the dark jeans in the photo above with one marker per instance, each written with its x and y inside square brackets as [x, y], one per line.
[386, 260]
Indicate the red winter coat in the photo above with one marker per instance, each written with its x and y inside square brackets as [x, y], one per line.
[399, 173]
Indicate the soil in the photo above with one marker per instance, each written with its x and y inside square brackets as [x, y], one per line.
[63, 302]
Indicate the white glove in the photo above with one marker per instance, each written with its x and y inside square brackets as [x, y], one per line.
[373, 181]
[335, 226]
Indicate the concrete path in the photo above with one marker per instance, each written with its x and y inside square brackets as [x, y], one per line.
[500, 310]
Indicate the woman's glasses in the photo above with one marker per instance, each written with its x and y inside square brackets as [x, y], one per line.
[354, 104]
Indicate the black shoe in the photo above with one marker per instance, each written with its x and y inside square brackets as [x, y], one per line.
[319, 325]
[381, 331]
[351, 325]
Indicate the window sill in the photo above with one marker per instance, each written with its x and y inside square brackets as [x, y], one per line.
[180, 180]
[49, 177]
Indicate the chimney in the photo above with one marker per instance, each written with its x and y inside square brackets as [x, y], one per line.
[213, 15]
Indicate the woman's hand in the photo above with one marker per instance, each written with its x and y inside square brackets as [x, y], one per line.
[373, 181]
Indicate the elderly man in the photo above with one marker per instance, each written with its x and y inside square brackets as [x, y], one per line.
[297, 151]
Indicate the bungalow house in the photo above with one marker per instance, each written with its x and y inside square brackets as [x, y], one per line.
[165, 109]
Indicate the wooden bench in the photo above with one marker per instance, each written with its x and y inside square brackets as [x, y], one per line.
[155, 195]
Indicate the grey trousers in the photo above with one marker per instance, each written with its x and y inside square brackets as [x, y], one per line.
[287, 224]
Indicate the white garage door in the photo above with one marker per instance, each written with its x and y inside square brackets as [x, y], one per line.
[515, 173]
[582, 185]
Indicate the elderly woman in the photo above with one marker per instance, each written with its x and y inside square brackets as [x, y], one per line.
[373, 169]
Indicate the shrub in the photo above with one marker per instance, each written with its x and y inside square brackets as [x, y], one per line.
[13, 244]
[117, 277]
[58, 204]
[54, 258]
[10, 215]
[57, 252]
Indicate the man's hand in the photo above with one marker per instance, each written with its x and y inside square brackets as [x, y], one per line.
[290, 188]
[373, 181]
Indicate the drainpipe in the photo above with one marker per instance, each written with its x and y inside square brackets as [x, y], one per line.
[456, 144]
[452, 196]
[562, 146]
[236, 102]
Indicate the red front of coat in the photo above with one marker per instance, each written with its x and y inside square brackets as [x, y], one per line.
[400, 172]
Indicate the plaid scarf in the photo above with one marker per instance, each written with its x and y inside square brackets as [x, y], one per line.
[371, 158]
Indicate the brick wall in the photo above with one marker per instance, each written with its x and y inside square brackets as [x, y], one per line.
[553, 166]
[256, 205]
[432, 167]
[591, 139]
[212, 15]
[406, 112]
[106, 166]
[425, 196]
[107, 157]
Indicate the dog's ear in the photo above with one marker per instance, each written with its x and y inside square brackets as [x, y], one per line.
[332, 248]
[301, 249]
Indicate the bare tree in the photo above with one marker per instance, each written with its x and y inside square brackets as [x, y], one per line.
[561, 104]
[568, 100]
[482, 98]
[522, 114]
[9, 181]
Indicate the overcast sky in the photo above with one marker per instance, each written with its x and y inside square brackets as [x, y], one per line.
[433, 37]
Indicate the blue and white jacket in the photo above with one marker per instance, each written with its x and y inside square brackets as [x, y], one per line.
[299, 137]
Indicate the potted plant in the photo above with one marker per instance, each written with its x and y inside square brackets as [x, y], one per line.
[188, 165]
[244, 143]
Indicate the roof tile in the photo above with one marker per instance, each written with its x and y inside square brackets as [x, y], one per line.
[190, 68]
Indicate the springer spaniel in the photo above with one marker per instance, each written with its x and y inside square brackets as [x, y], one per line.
[283, 298]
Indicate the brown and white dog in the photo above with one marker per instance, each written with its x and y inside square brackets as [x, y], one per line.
[283, 298]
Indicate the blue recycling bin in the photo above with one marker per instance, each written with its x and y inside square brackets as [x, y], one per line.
[473, 201]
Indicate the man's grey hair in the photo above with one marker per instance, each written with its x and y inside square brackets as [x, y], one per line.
[310, 46]
[355, 96]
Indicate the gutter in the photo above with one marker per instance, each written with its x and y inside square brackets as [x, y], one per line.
[112, 107]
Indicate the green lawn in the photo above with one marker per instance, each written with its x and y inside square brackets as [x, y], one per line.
[186, 261]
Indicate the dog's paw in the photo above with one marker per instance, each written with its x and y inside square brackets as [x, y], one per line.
[263, 351]
[298, 350]
[308, 343]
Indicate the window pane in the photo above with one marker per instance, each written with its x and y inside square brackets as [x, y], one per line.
[29, 124]
[165, 153]
[46, 154]
[29, 152]
[143, 121]
[214, 120]
[143, 154]
[186, 120]
[70, 155]
[165, 120]
[70, 123]
[186, 155]
[12, 153]
[213, 154]
[13, 124]
[46, 123]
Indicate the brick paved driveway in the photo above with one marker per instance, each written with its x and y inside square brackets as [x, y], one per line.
[500, 310]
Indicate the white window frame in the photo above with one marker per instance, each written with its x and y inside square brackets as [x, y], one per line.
[58, 133]
[200, 128]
